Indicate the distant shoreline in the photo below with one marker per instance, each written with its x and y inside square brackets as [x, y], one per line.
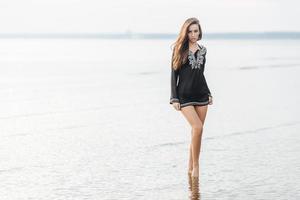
[131, 35]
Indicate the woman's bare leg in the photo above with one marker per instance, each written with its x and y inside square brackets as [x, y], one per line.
[192, 117]
[191, 157]
[201, 111]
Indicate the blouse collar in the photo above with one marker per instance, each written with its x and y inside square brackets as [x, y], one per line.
[200, 48]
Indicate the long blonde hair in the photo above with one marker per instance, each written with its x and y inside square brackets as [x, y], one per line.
[181, 45]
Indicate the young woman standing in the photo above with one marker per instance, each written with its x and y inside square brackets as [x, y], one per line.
[189, 90]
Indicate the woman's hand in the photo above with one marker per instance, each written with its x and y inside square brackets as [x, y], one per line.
[176, 105]
[210, 100]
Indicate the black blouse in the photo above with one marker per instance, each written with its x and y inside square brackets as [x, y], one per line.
[189, 82]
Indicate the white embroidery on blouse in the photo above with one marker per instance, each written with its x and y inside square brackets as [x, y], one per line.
[196, 63]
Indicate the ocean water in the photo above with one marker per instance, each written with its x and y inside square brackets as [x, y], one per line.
[91, 119]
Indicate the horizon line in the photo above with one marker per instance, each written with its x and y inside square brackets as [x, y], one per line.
[145, 35]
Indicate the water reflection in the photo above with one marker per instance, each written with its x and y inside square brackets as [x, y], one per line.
[194, 188]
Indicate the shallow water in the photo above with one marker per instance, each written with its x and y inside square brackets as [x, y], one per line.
[90, 119]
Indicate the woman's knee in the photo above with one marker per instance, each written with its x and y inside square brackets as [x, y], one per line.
[197, 128]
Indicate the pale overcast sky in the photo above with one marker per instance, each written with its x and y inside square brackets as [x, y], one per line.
[154, 16]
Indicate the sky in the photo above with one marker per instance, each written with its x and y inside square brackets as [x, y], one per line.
[147, 16]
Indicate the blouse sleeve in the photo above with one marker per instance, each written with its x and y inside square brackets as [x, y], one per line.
[209, 93]
[174, 77]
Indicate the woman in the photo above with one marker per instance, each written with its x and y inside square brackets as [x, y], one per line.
[190, 94]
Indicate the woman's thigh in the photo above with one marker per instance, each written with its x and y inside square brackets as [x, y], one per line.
[201, 111]
[189, 112]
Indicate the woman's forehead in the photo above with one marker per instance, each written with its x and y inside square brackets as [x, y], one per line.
[193, 27]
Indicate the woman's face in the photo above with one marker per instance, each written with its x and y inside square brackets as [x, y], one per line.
[193, 32]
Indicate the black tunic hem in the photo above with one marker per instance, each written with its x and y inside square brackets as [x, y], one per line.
[173, 100]
[194, 103]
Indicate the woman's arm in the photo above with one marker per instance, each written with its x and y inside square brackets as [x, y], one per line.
[209, 93]
[174, 77]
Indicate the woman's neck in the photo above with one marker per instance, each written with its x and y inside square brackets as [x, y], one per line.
[193, 45]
